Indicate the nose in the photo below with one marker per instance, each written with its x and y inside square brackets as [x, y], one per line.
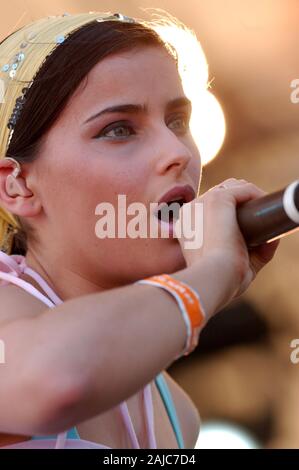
[171, 153]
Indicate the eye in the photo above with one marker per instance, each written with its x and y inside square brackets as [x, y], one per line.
[117, 130]
[181, 122]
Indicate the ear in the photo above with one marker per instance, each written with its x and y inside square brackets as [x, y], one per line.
[15, 196]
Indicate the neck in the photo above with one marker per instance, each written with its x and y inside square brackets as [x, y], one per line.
[66, 280]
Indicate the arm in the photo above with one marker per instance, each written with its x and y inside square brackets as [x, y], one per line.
[81, 358]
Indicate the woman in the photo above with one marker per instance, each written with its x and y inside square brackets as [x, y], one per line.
[84, 343]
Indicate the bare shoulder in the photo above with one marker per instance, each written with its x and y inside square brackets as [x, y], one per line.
[187, 412]
[16, 303]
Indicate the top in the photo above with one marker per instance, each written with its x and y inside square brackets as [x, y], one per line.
[11, 267]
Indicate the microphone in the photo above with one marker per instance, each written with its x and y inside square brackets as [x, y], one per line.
[270, 217]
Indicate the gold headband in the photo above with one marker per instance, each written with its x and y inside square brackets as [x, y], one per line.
[21, 55]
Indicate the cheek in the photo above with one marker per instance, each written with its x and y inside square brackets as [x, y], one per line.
[103, 183]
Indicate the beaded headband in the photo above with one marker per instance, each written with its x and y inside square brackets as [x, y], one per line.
[21, 56]
[11, 69]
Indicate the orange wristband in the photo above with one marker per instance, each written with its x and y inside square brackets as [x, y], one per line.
[189, 303]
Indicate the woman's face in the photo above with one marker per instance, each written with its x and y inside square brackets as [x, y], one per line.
[137, 153]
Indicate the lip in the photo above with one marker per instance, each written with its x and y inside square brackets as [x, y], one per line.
[177, 192]
[180, 191]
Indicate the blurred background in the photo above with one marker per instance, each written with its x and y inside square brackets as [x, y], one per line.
[241, 374]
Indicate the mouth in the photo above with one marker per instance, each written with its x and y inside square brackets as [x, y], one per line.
[170, 203]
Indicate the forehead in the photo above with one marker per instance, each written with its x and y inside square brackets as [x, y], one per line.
[143, 75]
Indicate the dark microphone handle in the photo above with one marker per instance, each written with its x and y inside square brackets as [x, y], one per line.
[270, 217]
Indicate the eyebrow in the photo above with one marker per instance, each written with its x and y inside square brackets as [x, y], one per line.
[138, 108]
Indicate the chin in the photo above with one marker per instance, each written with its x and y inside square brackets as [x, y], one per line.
[168, 259]
[175, 264]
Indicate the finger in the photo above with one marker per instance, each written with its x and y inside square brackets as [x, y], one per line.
[262, 254]
[242, 192]
[227, 183]
[244, 183]
[232, 183]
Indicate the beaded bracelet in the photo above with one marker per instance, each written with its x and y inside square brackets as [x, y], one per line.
[189, 303]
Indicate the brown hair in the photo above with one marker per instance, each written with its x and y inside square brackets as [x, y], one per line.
[57, 79]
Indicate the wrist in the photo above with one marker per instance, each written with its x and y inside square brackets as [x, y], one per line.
[211, 276]
[189, 303]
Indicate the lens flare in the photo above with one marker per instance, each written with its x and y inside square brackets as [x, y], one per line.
[207, 122]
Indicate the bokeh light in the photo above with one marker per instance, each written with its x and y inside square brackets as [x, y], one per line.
[207, 122]
[222, 435]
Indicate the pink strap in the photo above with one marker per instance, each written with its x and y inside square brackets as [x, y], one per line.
[14, 265]
[129, 425]
[148, 404]
[49, 291]
[26, 286]
[61, 440]
[149, 412]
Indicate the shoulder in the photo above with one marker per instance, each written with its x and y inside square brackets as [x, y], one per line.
[16, 303]
[187, 412]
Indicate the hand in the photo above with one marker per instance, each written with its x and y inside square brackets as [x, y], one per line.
[223, 241]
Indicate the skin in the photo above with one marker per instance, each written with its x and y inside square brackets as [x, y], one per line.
[75, 172]
[58, 193]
